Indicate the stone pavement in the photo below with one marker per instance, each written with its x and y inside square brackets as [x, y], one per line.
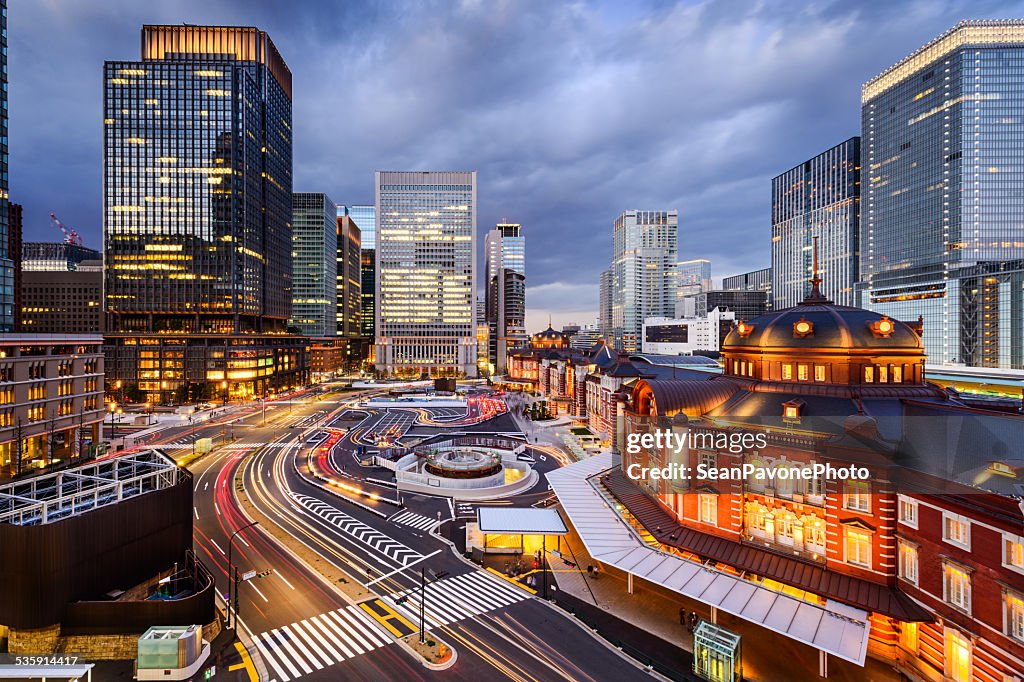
[767, 656]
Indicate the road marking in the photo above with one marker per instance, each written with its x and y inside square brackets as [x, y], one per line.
[459, 597]
[321, 641]
[196, 510]
[414, 520]
[284, 579]
[217, 546]
[387, 616]
[246, 663]
[258, 591]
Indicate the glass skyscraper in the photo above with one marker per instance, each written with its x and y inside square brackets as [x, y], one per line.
[314, 264]
[644, 258]
[693, 277]
[819, 198]
[366, 215]
[349, 289]
[426, 273]
[197, 210]
[941, 222]
[6, 258]
[505, 303]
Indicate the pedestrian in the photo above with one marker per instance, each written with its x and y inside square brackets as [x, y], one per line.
[682, 616]
[590, 570]
[694, 619]
[596, 569]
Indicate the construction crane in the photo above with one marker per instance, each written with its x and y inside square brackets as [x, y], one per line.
[70, 236]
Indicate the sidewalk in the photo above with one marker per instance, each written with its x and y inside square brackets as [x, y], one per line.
[767, 656]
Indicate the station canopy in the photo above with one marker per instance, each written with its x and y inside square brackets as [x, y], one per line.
[520, 521]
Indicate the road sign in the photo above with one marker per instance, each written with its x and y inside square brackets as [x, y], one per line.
[248, 575]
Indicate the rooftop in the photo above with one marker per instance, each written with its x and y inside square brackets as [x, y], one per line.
[44, 499]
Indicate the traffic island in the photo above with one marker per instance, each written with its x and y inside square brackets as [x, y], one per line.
[436, 655]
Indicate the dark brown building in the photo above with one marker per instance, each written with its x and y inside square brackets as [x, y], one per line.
[14, 229]
[68, 302]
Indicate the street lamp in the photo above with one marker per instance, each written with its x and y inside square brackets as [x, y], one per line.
[233, 578]
[149, 413]
[192, 422]
[224, 386]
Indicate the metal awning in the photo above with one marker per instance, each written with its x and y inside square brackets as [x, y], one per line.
[837, 629]
[520, 521]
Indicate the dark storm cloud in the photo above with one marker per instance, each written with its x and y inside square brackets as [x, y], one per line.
[571, 113]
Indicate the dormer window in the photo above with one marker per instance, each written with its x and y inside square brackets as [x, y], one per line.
[882, 328]
[869, 374]
[791, 411]
[744, 328]
[802, 328]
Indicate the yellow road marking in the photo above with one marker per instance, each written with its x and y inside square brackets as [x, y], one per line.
[391, 614]
[246, 663]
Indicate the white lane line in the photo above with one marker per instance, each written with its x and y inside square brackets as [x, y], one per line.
[196, 510]
[284, 579]
[257, 590]
[217, 546]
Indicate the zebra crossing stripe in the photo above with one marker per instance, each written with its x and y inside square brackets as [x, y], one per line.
[459, 597]
[417, 521]
[320, 641]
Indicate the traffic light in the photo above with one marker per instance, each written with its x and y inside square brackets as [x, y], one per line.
[265, 573]
[402, 600]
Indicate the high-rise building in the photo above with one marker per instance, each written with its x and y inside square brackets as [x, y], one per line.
[315, 264]
[746, 304]
[693, 277]
[505, 303]
[63, 301]
[755, 280]
[197, 210]
[7, 284]
[14, 252]
[426, 273]
[940, 229]
[55, 256]
[643, 273]
[818, 198]
[365, 217]
[604, 312]
[349, 288]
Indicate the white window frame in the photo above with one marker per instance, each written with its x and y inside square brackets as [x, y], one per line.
[905, 502]
[907, 558]
[1013, 623]
[947, 568]
[862, 494]
[1011, 539]
[847, 532]
[950, 517]
[707, 508]
[947, 638]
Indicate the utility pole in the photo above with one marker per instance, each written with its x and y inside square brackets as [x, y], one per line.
[233, 578]
[423, 599]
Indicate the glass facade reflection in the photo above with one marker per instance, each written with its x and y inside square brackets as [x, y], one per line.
[365, 218]
[426, 273]
[643, 268]
[314, 265]
[819, 198]
[197, 202]
[505, 302]
[693, 277]
[944, 164]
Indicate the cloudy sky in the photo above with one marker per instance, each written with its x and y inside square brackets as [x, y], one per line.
[570, 112]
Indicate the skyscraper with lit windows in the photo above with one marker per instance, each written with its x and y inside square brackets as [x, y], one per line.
[197, 211]
[505, 281]
[365, 218]
[941, 215]
[7, 284]
[314, 264]
[426, 273]
[643, 273]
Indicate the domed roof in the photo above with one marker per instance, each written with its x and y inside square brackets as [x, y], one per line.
[822, 325]
[549, 335]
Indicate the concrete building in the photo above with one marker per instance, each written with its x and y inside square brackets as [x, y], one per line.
[694, 276]
[940, 229]
[604, 313]
[55, 256]
[820, 198]
[746, 304]
[51, 399]
[7, 284]
[63, 301]
[426, 273]
[197, 216]
[755, 280]
[644, 256]
[686, 336]
[585, 337]
[349, 278]
[315, 271]
[505, 302]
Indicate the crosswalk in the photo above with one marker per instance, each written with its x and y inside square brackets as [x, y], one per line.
[372, 537]
[321, 641]
[459, 597]
[417, 521]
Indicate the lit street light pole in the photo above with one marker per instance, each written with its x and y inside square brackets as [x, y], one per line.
[233, 575]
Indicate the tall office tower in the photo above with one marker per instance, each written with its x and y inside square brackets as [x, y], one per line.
[643, 273]
[426, 273]
[55, 256]
[7, 285]
[693, 277]
[14, 253]
[819, 198]
[197, 211]
[349, 285]
[940, 230]
[314, 264]
[505, 279]
[755, 280]
[604, 312]
[365, 218]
